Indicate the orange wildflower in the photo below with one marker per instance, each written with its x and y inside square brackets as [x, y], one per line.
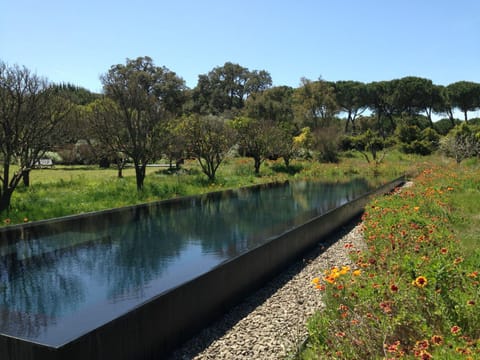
[473, 274]
[455, 329]
[420, 281]
[330, 279]
[437, 340]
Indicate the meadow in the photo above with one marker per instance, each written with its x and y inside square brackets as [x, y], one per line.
[414, 292]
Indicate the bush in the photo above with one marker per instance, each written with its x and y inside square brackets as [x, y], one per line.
[461, 143]
[416, 141]
[326, 141]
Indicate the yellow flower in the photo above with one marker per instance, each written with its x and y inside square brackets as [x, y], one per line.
[357, 272]
[345, 269]
[420, 281]
[315, 281]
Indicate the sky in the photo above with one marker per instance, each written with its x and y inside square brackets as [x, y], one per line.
[76, 41]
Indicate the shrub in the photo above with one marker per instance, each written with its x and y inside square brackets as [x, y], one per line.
[461, 143]
[415, 141]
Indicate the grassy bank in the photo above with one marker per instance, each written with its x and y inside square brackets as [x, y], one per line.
[64, 191]
[415, 291]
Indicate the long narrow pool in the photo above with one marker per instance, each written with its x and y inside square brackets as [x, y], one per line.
[63, 279]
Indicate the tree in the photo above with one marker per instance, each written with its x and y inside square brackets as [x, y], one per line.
[381, 100]
[445, 106]
[30, 121]
[352, 98]
[76, 94]
[146, 96]
[256, 139]
[368, 143]
[314, 103]
[274, 104]
[413, 95]
[105, 132]
[435, 102]
[465, 95]
[326, 141]
[462, 142]
[174, 147]
[208, 138]
[225, 88]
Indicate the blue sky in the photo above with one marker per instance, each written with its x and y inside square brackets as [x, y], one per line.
[364, 40]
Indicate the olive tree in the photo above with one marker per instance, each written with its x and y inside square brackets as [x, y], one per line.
[208, 138]
[257, 139]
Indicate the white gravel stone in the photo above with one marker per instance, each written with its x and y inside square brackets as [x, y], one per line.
[271, 323]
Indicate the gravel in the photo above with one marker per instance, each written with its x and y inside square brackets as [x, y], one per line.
[271, 323]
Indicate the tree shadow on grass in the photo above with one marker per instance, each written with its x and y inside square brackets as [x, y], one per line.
[291, 169]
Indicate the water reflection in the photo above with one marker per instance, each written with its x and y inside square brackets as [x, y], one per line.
[58, 286]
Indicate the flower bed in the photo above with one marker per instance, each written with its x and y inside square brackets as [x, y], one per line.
[414, 292]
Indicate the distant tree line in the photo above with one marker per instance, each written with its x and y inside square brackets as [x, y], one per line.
[146, 112]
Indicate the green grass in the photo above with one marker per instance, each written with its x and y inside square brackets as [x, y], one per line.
[415, 292]
[63, 190]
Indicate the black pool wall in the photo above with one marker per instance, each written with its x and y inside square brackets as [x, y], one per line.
[157, 327]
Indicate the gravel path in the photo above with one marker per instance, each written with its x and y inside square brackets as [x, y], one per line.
[270, 324]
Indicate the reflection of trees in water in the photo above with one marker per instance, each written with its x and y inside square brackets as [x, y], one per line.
[249, 217]
[38, 288]
[143, 250]
[125, 258]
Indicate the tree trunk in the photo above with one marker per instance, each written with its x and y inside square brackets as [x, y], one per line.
[26, 178]
[5, 199]
[140, 175]
[257, 165]
[466, 117]
[120, 165]
[349, 119]
[450, 116]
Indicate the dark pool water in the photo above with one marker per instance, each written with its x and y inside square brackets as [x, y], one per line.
[70, 280]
